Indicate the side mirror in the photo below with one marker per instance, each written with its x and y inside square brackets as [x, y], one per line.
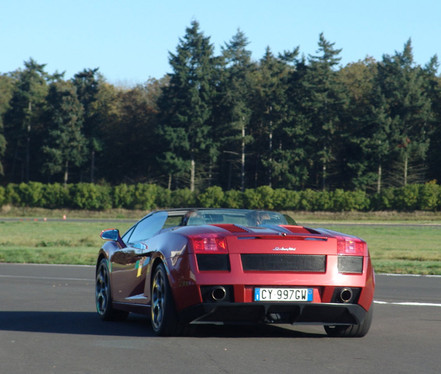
[113, 234]
[110, 234]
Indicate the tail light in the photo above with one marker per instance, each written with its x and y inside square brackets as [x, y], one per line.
[351, 253]
[347, 245]
[208, 243]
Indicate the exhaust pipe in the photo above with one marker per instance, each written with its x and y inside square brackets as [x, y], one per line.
[346, 295]
[218, 293]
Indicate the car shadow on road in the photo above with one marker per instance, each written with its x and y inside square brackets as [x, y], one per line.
[82, 323]
[88, 323]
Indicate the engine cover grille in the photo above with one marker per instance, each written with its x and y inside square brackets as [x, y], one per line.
[213, 262]
[280, 262]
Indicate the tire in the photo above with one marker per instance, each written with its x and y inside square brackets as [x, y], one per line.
[352, 331]
[103, 295]
[163, 314]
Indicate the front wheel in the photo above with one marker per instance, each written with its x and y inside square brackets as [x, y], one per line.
[103, 296]
[163, 313]
[352, 331]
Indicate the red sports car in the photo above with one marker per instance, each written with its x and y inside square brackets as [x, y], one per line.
[185, 266]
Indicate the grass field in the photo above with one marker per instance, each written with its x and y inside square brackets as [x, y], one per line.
[398, 243]
[55, 242]
[400, 249]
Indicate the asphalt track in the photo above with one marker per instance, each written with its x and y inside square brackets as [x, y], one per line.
[48, 325]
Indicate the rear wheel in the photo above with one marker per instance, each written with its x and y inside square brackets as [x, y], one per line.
[163, 313]
[352, 331]
[103, 296]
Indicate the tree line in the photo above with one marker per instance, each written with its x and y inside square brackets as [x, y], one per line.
[287, 122]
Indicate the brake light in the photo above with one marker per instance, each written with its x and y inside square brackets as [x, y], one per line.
[209, 243]
[351, 246]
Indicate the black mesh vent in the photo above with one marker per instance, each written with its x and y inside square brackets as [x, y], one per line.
[269, 262]
[350, 264]
[213, 262]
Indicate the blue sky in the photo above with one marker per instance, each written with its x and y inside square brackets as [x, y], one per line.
[129, 41]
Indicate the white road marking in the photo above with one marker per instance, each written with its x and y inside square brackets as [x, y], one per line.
[10, 264]
[410, 275]
[406, 303]
[46, 278]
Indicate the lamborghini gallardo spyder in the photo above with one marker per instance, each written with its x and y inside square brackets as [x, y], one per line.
[225, 266]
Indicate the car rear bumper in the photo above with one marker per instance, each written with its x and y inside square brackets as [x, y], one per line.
[312, 313]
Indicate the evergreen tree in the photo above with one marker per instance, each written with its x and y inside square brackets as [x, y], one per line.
[22, 120]
[297, 131]
[409, 109]
[87, 86]
[324, 101]
[271, 114]
[187, 103]
[234, 109]
[432, 83]
[364, 140]
[107, 117]
[376, 142]
[6, 90]
[129, 142]
[65, 144]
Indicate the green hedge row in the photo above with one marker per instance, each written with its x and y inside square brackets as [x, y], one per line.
[148, 196]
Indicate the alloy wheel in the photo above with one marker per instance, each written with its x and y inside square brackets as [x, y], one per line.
[158, 300]
[102, 289]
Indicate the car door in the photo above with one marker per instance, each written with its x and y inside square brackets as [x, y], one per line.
[129, 264]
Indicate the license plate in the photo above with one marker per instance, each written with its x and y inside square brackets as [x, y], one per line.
[283, 294]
